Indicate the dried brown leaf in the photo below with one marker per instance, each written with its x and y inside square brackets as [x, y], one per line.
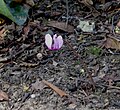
[3, 96]
[55, 88]
[112, 42]
[61, 25]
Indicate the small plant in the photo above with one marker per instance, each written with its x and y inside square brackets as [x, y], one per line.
[94, 50]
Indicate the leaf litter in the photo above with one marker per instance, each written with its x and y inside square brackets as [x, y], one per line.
[55, 88]
[21, 55]
[112, 42]
[62, 26]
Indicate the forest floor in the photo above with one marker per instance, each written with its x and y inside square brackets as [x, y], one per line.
[86, 68]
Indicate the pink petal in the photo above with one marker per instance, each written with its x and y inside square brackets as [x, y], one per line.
[58, 42]
[48, 41]
[54, 37]
[55, 44]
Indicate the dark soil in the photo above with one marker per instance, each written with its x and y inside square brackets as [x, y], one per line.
[83, 68]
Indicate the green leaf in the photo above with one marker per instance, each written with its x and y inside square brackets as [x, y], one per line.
[20, 14]
[16, 13]
[5, 11]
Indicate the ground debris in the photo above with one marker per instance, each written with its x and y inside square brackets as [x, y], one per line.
[112, 42]
[28, 64]
[55, 88]
[87, 70]
[3, 96]
[62, 26]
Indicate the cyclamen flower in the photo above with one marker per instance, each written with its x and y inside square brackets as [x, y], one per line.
[53, 43]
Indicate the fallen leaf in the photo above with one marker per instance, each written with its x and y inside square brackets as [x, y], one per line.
[3, 96]
[112, 42]
[55, 88]
[61, 25]
[86, 26]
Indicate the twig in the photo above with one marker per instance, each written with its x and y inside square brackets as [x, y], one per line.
[111, 87]
[67, 11]
[113, 30]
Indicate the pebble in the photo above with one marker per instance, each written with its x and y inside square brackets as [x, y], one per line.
[33, 96]
[72, 106]
[39, 56]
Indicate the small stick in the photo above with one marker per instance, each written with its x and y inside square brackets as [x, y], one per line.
[67, 11]
[113, 28]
